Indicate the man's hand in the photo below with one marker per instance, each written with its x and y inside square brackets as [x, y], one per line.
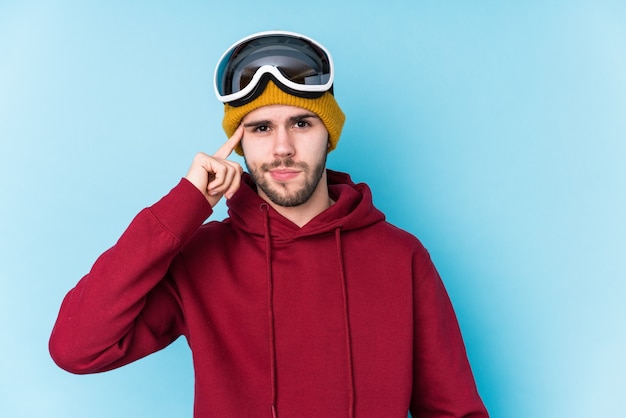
[215, 176]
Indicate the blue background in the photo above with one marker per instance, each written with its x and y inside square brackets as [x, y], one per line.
[493, 130]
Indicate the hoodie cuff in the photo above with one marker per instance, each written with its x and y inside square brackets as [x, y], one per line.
[182, 211]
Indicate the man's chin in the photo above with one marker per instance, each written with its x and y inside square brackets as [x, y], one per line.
[287, 192]
[287, 199]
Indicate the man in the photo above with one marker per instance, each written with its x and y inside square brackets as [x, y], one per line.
[305, 302]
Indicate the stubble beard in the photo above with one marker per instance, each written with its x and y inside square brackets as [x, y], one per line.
[278, 193]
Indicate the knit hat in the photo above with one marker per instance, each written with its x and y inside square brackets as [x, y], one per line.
[325, 107]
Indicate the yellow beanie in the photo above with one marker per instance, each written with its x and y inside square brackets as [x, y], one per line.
[325, 107]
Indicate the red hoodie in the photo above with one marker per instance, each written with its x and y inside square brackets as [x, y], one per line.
[344, 317]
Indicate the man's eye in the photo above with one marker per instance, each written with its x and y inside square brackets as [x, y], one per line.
[262, 128]
[302, 124]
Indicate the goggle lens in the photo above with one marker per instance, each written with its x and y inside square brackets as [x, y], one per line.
[297, 63]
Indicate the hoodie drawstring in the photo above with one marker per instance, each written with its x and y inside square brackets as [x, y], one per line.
[346, 316]
[270, 305]
[270, 313]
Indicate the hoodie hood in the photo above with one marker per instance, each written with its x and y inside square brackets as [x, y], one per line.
[353, 209]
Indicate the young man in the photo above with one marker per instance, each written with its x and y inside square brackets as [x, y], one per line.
[305, 302]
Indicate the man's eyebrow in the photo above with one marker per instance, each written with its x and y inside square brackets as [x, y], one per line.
[257, 123]
[292, 120]
[301, 116]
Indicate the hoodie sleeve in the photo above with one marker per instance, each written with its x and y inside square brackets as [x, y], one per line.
[443, 384]
[126, 307]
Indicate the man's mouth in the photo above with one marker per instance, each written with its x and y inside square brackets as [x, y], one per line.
[284, 173]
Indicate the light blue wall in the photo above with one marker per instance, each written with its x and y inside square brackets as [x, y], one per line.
[494, 131]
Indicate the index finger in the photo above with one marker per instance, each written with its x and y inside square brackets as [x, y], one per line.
[225, 150]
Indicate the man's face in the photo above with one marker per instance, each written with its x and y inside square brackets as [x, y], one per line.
[285, 150]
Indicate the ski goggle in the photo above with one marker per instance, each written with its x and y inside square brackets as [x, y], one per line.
[297, 64]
